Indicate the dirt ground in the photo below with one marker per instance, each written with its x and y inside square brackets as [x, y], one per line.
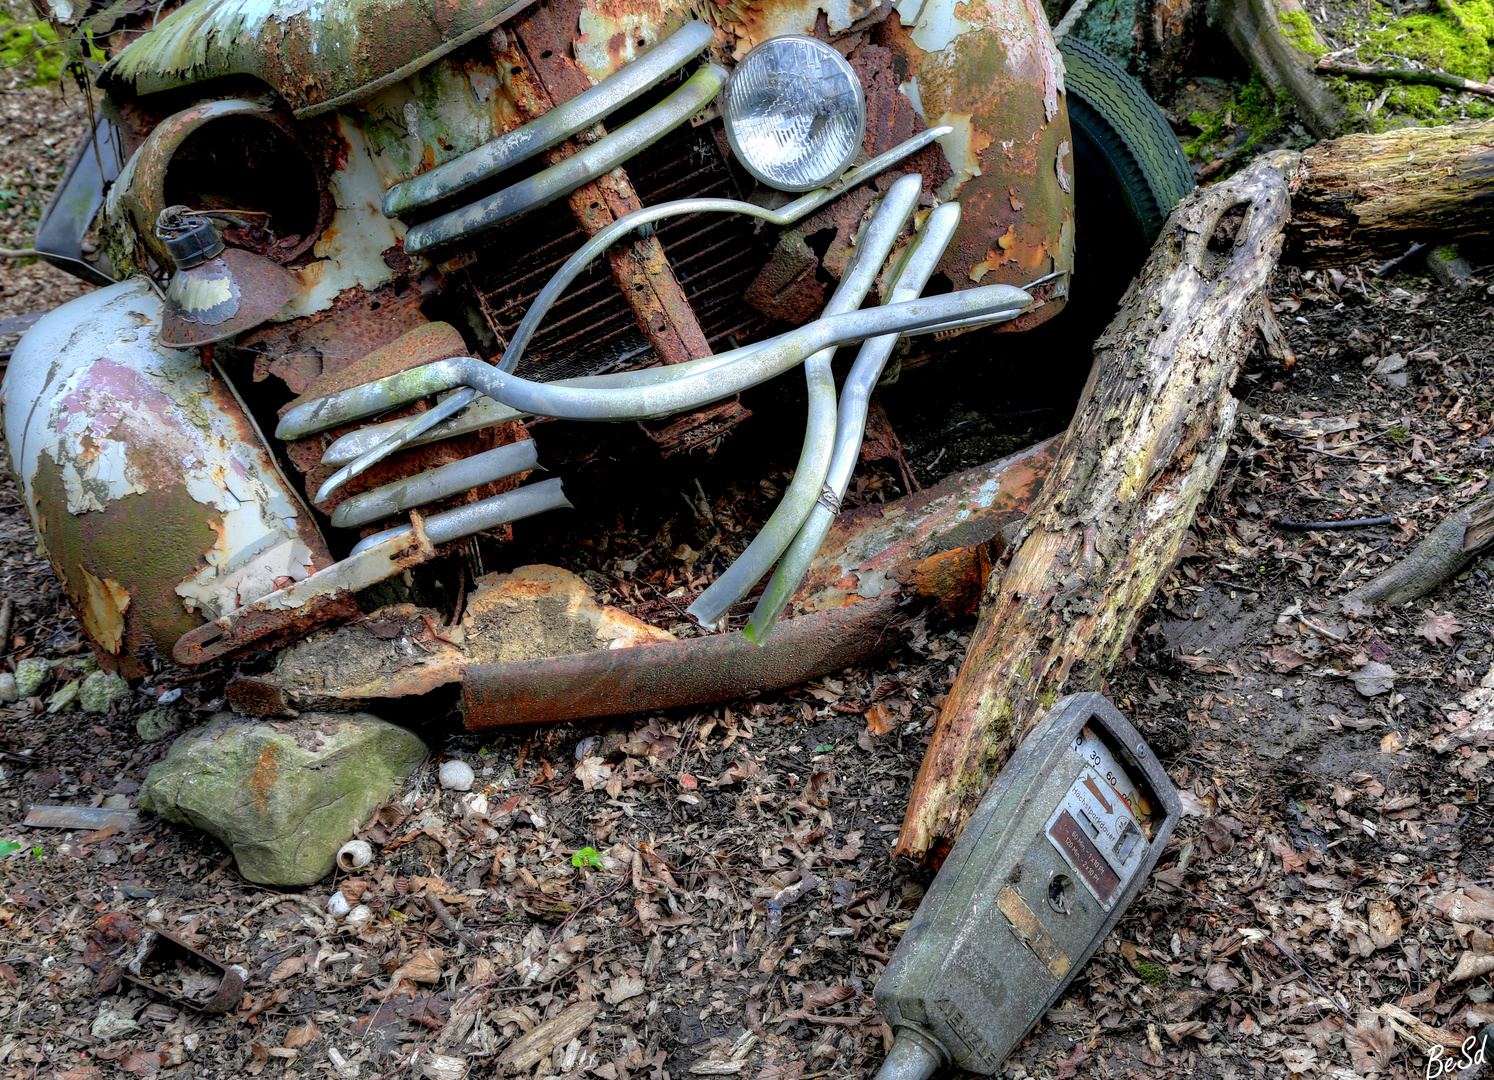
[1322, 911]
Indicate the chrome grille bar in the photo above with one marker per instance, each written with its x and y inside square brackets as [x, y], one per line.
[554, 127]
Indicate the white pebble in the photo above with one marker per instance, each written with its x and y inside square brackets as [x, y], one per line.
[455, 775]
[338, 906]
[8, 693]
[359, 917]
[354, 855]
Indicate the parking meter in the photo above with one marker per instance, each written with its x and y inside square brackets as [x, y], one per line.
[1058, 848]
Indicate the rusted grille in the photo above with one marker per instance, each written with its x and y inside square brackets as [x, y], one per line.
[591, 329]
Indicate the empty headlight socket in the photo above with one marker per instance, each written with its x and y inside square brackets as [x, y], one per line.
[1057, 850]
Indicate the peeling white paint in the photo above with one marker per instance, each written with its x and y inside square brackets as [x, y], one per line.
[937, 24]
[89, 388]
[351, 250]
[909, 90]
[962, 151]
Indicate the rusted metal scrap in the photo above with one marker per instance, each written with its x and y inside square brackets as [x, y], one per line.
[167, 965]
[936, 546]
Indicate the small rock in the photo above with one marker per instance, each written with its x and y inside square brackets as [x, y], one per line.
[158, 723]
[1374, 678]
[99, 691]
[8, 692]
[65, 698]
[32, 674]
[110, 1023]
[283, 796]
[455, 775]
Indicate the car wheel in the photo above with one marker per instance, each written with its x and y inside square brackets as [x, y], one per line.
[1129, 172]
[1120, 134]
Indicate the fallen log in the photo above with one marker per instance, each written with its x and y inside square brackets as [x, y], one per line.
[1370, 196]
[1144, 447]
[1447, 550]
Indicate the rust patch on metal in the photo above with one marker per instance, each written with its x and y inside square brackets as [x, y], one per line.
[789, 287]
[991, 70]
[422, 345]
[358, 322]
[966, 511]
[699, 429]
[103, 611]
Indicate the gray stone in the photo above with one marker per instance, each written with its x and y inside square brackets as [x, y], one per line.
[283, 795]
[32, 674]
[158, 723]
[99, 691]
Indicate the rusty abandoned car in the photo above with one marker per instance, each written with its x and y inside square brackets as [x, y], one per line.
[361, 261]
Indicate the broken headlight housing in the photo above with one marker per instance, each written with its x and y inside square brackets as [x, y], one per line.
[795, 113]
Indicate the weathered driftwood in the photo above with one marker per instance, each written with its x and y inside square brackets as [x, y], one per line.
[1145, 446]
[1369, 196]
[1447, 550]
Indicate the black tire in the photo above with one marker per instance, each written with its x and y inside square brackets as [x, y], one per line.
[1125, 137]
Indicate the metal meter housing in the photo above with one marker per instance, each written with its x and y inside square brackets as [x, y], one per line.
[1058, 848]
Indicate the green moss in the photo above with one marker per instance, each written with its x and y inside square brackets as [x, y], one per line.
[29, 49]
[1456, 39]
[1153, 974]
[1297, 28]
[1253, 106]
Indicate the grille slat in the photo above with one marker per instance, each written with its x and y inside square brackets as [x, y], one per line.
[591, 328]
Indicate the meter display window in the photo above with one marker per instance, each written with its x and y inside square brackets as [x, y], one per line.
[1102, 824]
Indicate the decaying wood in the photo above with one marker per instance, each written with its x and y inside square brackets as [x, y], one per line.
[1449, 549]
[1369, 196]
[1145, 446]
[531, 1048]
[1271, 35]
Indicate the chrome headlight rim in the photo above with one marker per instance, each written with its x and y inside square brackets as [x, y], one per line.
[729, 117]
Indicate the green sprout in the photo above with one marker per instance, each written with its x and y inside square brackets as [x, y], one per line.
[587, 857]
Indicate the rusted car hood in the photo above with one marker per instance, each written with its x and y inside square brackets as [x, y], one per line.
[317, 54]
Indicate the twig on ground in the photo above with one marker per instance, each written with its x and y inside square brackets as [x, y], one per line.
[433, 902]
[1348, 523]
[1386, 268]
[18, 253]
[1406, 75]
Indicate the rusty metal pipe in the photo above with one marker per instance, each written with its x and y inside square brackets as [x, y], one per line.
[555, 126]
[439, 483]
[489, 513]
[855, 398]
[778, 531]
[582, 167]
[719, 667]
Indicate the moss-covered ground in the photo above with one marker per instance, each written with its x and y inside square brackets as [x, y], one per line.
[1437, 35]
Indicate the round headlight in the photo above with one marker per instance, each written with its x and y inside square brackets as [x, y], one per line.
[794, 113]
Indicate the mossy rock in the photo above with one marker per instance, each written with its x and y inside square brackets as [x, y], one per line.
[101, 690]
[284, 796]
